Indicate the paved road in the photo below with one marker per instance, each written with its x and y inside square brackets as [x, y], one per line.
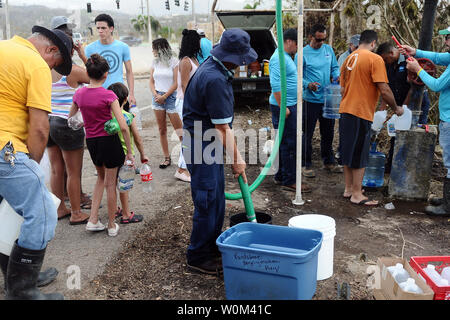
[73, 248]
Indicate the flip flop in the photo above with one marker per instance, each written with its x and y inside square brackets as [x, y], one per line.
[363, 203]
[64, 216]
[87, 204]
[132, 219]
[79, 222]
[362, 191]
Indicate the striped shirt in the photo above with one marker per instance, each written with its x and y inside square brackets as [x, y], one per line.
[62, 95]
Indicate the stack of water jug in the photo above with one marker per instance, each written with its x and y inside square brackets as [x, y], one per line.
[408, 284]
[441, 280]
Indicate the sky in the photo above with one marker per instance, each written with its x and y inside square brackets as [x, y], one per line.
[157, 7]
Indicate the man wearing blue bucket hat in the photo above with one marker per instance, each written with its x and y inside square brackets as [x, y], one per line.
[207, 117]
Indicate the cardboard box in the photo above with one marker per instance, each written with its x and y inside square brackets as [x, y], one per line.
[390, 290]
[241, 72]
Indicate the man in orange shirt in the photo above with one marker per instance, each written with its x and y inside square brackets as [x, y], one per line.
[363, 78]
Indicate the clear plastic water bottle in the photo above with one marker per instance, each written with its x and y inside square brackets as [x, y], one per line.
[75, 122]
[146, 177]
[445, 274]
[432, 273]
[125, 181]
[137, 114]
[410, 286]
[399, 273]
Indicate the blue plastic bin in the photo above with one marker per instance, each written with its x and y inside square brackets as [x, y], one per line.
[263, 261]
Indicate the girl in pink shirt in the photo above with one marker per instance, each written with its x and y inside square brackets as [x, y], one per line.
[96, 104]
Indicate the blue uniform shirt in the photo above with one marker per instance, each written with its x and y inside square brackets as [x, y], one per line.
[208, 97]
[206, 47]
[275, 78]
[116, 54]
[319, 65]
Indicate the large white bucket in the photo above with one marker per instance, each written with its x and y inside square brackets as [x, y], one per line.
[10, 224]
[327, 226]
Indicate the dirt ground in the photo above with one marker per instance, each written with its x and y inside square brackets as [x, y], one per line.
[151, 265]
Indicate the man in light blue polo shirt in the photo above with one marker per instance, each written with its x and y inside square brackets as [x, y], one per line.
[442, 85]
[116, 52]
[286, 174]
[319, 68]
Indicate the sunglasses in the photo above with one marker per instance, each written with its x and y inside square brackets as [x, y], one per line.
[447, 37]
[319, 40]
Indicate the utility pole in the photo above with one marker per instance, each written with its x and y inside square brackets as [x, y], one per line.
[142, 7]
[193, 14]
[8, 26]
[149, 25]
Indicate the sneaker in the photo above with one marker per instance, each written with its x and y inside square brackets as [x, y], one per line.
[95, 227]
[113, 231]
[182, 176]
[334, 168]
[208, 267]
[308, 172]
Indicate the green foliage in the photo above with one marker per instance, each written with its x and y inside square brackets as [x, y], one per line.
[140, 24]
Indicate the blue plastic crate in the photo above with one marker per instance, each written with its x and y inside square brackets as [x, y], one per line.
[263, 261]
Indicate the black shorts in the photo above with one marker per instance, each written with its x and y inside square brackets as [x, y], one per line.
[354, 138]
[106, 151]
[64, 137]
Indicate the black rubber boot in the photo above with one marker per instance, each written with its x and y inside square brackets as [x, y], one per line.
[442, 210]
[23, 271]
[45, 277]
[4, 266]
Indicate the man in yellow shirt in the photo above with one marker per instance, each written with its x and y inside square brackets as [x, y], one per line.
[25, 101]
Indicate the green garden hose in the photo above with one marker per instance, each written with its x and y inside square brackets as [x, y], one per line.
[276, 147]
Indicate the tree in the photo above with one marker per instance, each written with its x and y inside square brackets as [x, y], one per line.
[140, 24]
[253, 6]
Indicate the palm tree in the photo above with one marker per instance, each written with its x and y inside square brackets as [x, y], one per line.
[140, 24]
[253, 6]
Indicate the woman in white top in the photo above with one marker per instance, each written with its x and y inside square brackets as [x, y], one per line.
[190, 47]
[163, 85]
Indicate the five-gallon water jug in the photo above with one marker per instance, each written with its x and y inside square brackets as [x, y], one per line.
[410, 286]
[399, 273]
[374, 174]
[332, 94]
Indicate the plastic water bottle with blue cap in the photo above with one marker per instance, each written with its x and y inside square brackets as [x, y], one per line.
[137, 114]
[125, 180]
[332, 100]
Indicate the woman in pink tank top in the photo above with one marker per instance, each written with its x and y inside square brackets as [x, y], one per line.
[190, 47]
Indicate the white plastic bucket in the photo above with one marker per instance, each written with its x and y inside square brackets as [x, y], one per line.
[10, 225]
[327, 226]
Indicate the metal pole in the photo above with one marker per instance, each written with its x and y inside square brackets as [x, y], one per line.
[193, 14]
[213, 18]
[8, 26]
[149, 24]
[298, 192]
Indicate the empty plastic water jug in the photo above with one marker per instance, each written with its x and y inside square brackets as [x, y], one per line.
[410, 286]
[432, 273]
[445, 274]
[374, 173]
[378, 120]
[332, 94]
[399, 273]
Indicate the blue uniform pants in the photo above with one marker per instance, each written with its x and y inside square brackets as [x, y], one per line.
[208, 196]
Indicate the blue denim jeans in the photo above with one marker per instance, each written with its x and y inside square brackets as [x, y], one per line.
[287, 164]
[23, 186]
[444, 141]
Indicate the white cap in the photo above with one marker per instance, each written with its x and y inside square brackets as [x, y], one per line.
[201, 32]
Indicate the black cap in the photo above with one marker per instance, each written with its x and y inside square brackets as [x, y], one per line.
[64, 44]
